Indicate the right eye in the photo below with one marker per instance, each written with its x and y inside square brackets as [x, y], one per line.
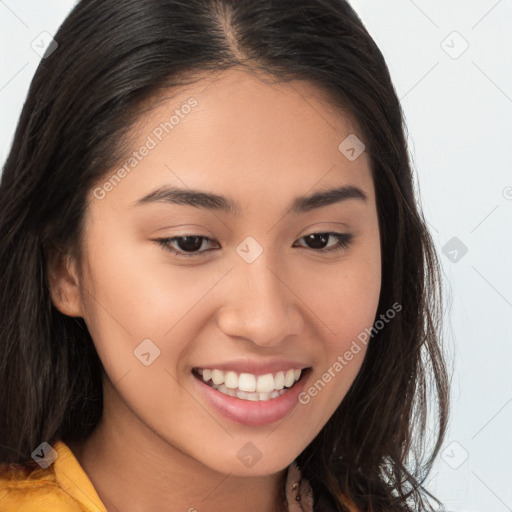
[186, 244]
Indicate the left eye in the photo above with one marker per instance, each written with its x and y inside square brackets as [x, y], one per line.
[191, 243]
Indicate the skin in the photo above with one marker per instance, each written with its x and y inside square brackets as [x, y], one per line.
[160, 446]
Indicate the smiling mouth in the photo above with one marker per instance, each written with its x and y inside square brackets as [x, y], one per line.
[247, 386]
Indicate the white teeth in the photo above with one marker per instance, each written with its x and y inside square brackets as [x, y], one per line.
[248, 386]
[265, 383]
[218, 376]
[231, 380]
[289, 378]
[253, 397]
[223, 389]
[247, 382]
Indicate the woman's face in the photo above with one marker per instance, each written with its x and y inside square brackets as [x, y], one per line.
[250, 293]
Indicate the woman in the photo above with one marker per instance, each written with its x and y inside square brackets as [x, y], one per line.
[218, 289]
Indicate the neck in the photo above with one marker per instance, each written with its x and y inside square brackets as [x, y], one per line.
[131, 468]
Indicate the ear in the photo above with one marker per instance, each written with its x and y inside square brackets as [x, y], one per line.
[64, 283]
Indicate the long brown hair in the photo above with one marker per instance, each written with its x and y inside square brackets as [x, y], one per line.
[111, 58]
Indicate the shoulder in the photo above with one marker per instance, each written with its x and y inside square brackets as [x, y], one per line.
[32, 488]
[23, 487]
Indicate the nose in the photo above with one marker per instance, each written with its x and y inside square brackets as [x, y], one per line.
[260, 304]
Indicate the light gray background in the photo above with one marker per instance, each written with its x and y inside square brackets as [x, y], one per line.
[458, 108]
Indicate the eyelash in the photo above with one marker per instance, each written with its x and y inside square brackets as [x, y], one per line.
[344, 240]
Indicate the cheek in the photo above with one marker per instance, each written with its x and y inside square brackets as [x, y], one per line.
[345, 295]
[130, 287]
[135, 294]
[345, 301]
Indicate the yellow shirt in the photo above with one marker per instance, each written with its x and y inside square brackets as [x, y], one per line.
[62, 487]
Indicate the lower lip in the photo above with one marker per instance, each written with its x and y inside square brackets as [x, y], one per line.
[247, 412]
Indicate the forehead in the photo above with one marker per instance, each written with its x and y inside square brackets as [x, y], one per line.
[254, 103]
[233, 130]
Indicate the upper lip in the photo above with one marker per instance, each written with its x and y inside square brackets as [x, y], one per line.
[254, 366]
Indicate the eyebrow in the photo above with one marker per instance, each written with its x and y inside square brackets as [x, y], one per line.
[215, 202]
